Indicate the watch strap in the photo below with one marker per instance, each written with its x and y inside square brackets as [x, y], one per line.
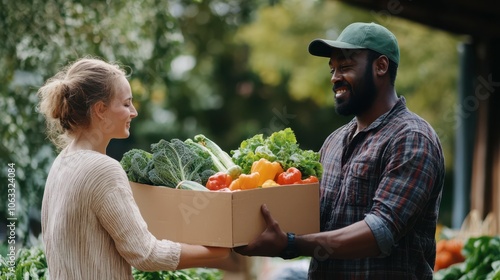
[290, 251]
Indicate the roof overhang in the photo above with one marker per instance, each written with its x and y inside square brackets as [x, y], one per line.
[477, 18]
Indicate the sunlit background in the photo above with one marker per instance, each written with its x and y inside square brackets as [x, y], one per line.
[228, 69]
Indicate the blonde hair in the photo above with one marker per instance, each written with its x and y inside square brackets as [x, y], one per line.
[67, 98]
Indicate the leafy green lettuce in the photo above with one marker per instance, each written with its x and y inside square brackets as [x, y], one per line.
[280, 146]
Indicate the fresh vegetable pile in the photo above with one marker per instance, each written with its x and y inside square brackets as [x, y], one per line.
[481, 261]
[200, 164]
[448, 252]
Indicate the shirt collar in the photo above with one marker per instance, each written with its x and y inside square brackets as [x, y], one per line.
[387, 117]
[383, 119]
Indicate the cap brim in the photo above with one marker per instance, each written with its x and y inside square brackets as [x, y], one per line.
[324, 48]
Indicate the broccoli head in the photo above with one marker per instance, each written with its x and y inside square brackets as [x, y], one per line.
[137, 164]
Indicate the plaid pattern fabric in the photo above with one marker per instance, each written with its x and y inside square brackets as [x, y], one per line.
[392, 171]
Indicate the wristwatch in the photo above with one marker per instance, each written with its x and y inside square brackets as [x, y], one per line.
[290, 251]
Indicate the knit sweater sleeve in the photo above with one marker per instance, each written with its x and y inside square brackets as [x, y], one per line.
[119, 215]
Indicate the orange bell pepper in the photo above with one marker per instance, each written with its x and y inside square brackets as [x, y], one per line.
[289, 177]
[267, 169]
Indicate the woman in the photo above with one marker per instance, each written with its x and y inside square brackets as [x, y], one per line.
[91, 226]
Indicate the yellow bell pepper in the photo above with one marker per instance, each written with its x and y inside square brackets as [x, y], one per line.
[245, 182]
[267, 169]
[269, 183]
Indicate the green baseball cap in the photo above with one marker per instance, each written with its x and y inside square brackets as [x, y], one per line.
[360, 35]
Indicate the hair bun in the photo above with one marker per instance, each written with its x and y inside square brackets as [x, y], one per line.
[61, 110]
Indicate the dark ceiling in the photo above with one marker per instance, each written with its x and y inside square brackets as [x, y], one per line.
[478, 18]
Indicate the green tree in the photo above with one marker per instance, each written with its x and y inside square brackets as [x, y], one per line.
[41, 36]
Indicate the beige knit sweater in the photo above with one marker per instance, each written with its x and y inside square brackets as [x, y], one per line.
[91, 226]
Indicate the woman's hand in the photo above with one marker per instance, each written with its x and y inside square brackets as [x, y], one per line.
[201, 256]
[212, 257]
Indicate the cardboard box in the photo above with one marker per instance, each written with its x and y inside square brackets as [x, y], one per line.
[225, 219]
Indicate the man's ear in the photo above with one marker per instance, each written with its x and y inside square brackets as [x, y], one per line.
[99, 109]
[381, 65]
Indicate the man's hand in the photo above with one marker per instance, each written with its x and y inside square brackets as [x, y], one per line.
[270, 243]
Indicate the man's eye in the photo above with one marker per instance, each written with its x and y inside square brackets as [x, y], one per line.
[341, 69]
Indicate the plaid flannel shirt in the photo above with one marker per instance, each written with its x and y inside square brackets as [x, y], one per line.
[391, 175]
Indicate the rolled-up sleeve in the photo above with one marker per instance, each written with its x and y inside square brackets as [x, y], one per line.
[407, 188]
[382, 234]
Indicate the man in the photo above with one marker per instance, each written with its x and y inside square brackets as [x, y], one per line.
[383, 173]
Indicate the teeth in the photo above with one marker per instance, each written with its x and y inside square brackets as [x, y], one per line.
[341, 91]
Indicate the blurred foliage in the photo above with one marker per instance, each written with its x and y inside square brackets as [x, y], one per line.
[427, 86]
[41, 36]
[228, 69]
[31, 263]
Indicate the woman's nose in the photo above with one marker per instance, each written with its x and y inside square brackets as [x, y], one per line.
[133, 112]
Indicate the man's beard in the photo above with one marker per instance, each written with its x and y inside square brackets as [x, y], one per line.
[360, 98]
